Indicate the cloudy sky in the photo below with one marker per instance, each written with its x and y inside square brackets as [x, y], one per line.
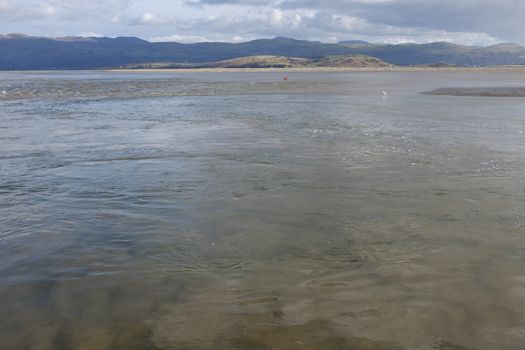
[479, 22]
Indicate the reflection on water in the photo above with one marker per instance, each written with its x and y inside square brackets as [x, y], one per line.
[237, 211]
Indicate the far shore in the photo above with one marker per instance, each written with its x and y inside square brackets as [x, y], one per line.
[492, 69]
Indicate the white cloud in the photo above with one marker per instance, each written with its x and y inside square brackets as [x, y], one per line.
[48, 10]
[148, 18]
[425, 37]
[471, 20]
[90, 35]
[467, 21]
[199, 38]
[180, 38]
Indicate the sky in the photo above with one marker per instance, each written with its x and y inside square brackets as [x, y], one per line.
[470, 22]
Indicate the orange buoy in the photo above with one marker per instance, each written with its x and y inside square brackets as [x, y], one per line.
[285, 78]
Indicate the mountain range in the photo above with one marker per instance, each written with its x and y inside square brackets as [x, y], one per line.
[20, 52]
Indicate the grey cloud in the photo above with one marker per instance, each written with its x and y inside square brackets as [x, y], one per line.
[228, 2]
[28, 10]
[461, 21]
[497, 18]
[10, 12]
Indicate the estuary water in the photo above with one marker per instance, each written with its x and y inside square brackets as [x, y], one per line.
[241, 211]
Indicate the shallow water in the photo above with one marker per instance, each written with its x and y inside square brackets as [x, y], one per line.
[239, 211]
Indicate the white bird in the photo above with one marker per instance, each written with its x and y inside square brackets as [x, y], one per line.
[4, 92]
[385, 93]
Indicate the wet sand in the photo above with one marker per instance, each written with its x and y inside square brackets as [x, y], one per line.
[481, 92]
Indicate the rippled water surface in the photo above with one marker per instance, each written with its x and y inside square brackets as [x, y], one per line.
[240, 211]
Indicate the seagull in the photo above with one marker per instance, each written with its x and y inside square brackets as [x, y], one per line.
[385, 93]
[4, 92]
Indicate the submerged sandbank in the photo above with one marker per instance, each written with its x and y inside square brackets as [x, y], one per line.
[482, 92]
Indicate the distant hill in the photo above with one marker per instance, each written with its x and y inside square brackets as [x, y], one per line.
[19, 52]
[354, 42]
[275, 62]
[447, 53]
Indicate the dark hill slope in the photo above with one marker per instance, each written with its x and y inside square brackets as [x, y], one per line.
[18, 52]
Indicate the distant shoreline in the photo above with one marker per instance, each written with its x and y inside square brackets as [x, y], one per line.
[492, 69]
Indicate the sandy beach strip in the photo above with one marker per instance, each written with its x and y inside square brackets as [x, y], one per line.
[494, 69]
